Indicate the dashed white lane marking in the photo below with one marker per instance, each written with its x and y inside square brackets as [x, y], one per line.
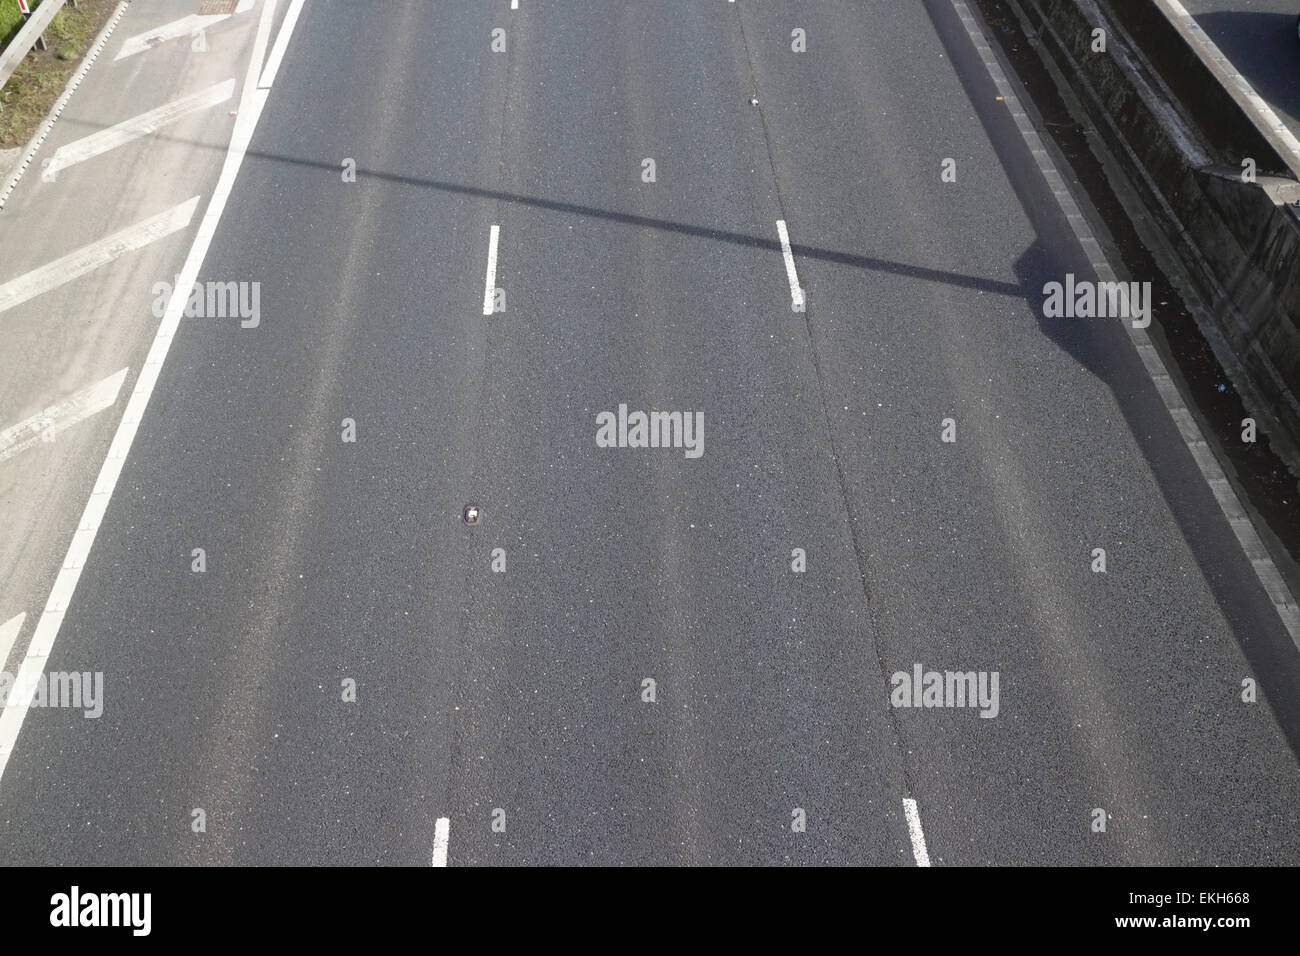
[184, 27]
[99, 143]
[9, 631]
[252, 101]
[91, 257]
[913, 815]
[796, 293]
[514, 4]
[75, 408]
[1265, 570]
[441, 836]
[281, 44]
[489, 292]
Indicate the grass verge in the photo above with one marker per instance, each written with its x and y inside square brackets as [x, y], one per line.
[43, 74]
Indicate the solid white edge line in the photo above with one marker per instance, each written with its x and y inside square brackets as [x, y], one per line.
[489, 292]
[441, 837]
[913, 815]
[1248, 538]
[281, 44]
[47, 628]
[796, 291]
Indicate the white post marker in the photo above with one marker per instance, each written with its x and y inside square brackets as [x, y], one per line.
[441, 836]
[914, 831]
[489, 293]
[796, 293]
[75, 408]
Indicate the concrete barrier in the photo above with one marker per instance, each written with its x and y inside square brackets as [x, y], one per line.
[1180, 122]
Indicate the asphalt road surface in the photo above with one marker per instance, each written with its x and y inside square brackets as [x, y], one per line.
[515, 704]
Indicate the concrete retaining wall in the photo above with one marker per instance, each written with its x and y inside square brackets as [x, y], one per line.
[1180, 127]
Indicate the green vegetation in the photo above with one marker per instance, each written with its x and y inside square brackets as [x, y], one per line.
[42, 76]
[11, 21]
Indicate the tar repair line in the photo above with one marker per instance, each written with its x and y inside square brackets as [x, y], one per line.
[490, 291]
[796, 292]
[1283, 601]
[441, 836]
[914, 830]
[75, 408]
[96, 144]
[251, 104]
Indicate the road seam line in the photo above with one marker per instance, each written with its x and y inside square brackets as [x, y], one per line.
[1248, 538]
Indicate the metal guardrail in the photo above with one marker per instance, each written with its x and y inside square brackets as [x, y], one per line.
[26, 38]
